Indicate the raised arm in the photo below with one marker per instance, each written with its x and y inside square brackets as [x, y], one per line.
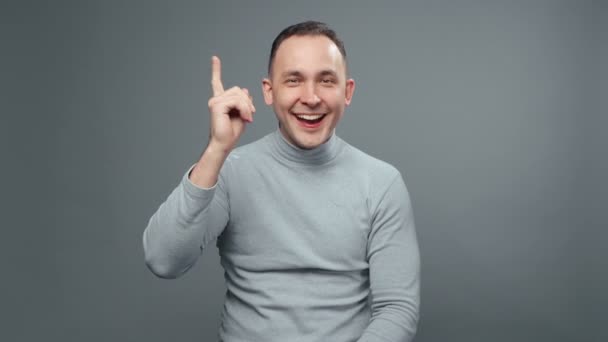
[197, 210]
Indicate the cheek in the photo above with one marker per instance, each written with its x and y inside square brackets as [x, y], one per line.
[333, 97]
[286, 97]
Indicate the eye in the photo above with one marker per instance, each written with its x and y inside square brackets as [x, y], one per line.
[328, 81]
[291, 81]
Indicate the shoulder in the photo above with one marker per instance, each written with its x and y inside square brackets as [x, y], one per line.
[377, 177]
[376, 170]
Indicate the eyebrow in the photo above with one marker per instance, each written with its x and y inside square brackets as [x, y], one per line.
[296, 73]
[289, 73]
[328, 72]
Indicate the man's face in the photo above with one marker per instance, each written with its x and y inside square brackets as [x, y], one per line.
[308, 89]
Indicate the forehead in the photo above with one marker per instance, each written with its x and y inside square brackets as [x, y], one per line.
[308, 54]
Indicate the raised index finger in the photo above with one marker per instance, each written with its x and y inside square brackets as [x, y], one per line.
[216, 76]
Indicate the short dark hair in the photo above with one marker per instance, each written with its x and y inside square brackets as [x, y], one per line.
[306, 28]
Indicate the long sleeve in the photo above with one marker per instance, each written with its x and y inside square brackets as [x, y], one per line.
[183, 225]
[394, 264]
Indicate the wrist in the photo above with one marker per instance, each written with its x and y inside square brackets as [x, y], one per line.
[217, 150]
[206, 171]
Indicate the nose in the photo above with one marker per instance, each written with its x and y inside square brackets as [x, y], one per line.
[309, 96]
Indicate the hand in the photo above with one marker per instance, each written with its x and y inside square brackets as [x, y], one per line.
[229, 110]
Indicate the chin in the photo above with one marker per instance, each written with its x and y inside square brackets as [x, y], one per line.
[310, 142]
[308, 145]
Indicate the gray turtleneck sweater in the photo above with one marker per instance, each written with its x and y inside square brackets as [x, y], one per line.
[304, 236]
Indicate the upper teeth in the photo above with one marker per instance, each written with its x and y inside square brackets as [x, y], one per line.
[309, 116]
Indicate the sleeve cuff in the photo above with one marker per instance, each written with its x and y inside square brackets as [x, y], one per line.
[194, 190]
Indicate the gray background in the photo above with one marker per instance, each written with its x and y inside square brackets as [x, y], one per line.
[494, 111]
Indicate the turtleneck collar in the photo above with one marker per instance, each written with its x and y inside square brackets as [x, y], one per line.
[315, 156]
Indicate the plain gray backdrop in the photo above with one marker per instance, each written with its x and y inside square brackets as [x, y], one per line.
[495, 112]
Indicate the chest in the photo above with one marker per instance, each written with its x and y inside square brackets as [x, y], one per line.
[297, 219]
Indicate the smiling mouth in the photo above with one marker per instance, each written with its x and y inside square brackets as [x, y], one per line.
[310, 118]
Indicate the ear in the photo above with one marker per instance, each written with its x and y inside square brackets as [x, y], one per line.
[349, 91]
[267, 90]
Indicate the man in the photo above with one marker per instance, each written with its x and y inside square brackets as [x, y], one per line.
[307, 226]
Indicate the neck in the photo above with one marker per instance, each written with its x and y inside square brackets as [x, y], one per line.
[317, 155]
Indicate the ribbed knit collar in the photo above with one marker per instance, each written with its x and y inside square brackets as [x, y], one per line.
[316, 156]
